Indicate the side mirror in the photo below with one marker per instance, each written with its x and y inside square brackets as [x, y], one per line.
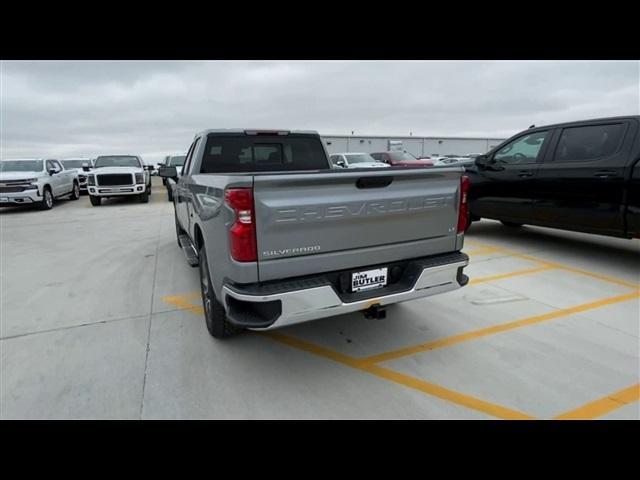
[168, 172]
[341, 163]
[482, 161]
[52, 171]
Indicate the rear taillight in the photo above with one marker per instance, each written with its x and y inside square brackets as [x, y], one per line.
[242, 234]
[463, 212]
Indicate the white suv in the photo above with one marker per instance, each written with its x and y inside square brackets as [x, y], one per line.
[36, 181]
[118, 175]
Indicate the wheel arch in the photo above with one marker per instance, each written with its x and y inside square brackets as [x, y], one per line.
[198, 237]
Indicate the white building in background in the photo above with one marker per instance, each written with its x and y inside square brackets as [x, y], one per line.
[418, 146]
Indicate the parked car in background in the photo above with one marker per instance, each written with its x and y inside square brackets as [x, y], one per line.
[450, 160]
[582, 176]
[280, 238]
[167, 162]
[176, 161]
[401, 159]
[36, 181]
[119, 175]
[78, 165]
[355, 160]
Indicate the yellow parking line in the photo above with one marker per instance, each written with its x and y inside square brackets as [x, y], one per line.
[560, 266]
[580, 271]
[312, 348]
[369, 364]
[481, 251]
[604, 405]
[444, 393]
[183, 302]
[484, 332]
[396, 377]
[501, 276]
[157, 197]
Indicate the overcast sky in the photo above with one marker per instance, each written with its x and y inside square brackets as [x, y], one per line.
[153, 109]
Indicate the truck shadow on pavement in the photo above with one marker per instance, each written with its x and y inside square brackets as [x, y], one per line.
[23, 209]
[620, 253]
[118, 201]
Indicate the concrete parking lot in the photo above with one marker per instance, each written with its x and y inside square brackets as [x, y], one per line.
[101, 318]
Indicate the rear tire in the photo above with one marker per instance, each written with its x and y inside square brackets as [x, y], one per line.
[75, 192]
[47, 199]
[511, 224]
[169, 195]
[214, 314]
[95, 201]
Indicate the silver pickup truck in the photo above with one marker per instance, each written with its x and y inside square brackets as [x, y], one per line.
[280, 237]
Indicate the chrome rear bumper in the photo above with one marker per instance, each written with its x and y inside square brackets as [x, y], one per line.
[306, 304]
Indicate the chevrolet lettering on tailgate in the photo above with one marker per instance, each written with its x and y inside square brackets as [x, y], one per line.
[358, 209]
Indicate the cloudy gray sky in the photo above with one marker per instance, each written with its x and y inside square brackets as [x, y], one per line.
[154, 108]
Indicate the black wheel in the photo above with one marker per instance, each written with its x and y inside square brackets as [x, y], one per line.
[47, 199]
[214, 314]
[144, 197]
[169, 195]
[75, 192]
[95, 201]
[164, 181]
[511, 224]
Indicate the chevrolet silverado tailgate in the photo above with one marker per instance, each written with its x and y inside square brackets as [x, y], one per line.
[318, 222]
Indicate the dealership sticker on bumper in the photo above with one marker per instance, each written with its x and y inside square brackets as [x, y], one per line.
[368, 279]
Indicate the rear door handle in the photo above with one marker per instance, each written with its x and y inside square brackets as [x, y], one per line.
[605, 174]
[525, 173]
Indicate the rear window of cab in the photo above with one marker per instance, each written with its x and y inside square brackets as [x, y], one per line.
[264, 153]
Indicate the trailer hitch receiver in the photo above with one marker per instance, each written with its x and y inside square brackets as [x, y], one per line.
[375, 311]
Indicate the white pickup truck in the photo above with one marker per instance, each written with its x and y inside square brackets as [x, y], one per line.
[36, 181]
[117, 176]
[82, 166]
